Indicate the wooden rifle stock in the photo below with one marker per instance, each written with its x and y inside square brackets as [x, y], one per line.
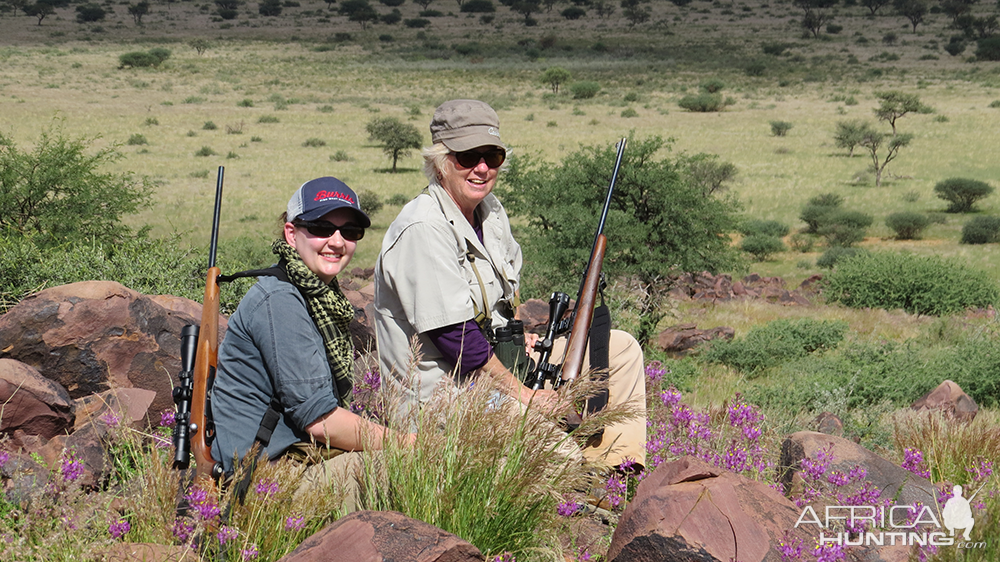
[584, 313]
[206, 360]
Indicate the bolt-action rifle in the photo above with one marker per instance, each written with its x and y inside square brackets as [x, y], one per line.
[194, 431]
[583, 317]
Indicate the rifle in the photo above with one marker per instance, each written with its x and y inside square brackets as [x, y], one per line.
[194, 430]
[583, 314]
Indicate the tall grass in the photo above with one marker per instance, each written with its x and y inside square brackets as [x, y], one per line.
[485, 469]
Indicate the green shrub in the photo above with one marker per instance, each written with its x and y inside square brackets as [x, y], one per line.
[245, 102]
[712, 85]
[137, 139]
[702, 103]
[160, 54]
[205, 151]
[907, 225]
[416, 23]
[209, 126]
[988, 49]
[833, 255]
[137, 59]
[478, 7]
[573, 13]
[995, 104]
[340, 156]
[761, 246]
[981, 230]
[369, 201]
[775, 342]
[962, 193]
[398, 199]
[801, 242]
[762, 227]
[314, 142]
[584, 89]
[89, 13]
[267, 119]
[629, 112]
[780, 128]
[916, 284]
[844, 228]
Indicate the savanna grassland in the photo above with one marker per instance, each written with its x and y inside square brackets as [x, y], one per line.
[319, 76]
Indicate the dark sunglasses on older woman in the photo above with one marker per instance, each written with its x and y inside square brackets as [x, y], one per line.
[326, 229]
[470, 158]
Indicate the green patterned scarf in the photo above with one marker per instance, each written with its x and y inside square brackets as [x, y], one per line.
[331, 312]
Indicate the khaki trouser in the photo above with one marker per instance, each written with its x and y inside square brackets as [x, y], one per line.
[338, 475]
[626, 385]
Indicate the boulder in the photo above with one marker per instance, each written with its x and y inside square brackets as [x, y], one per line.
[687, 510]
[893, 481]
[32, 404]
[377, 536]
[829, 424]
[96, 335]
[680, 339]
[951, 400]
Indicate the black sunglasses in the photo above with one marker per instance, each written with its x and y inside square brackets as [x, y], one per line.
[470, 158]
[326, 229]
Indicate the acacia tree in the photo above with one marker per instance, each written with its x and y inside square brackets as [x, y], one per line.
[659, 222]
[555, 76]
[55, 193]
[874, 5]
[913, 10]
[360, 11]
[894, 104]
[139, 10]
[815, 14]
[875, 142]
[397, 138]
[635, 12]
[849, 134]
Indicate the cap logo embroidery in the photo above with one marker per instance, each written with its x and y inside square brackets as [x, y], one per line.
[323, 195]
[493, 132]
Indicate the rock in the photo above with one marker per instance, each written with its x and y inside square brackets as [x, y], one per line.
[812, 284]
[32, 404]
[893, 481]
[96, 335]
[362, 328]
[678, 340]
[829, 424]
[687, 510]
[949, 398]
[535, 315]
[377, 536]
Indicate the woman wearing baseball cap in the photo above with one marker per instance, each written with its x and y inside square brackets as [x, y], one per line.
[287, 362]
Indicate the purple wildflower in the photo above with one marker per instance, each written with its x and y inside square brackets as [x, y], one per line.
[183, 528]
[505, 557]
[616, 488]
[567, 509]
[829, 553]
[857, 474]
[295, 523]
[110, 418]
[266, 488]
[790, 548]
[583, 555]
[167, 418]
[119, 528]
[203, 504]
[837, 478]
[913, 460]
[70, 466]
[979, 472]
[4, 457]
[226, 534]
[249, 553]
[655, 371]
[670, 397]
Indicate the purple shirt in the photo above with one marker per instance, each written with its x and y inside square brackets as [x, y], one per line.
[463, 344]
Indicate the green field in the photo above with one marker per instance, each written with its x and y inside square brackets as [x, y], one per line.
[318, 86]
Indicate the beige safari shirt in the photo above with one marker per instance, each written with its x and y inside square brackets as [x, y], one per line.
[425, 279]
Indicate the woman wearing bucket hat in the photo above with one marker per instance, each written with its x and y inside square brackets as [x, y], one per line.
[448, 272]
[287, 361]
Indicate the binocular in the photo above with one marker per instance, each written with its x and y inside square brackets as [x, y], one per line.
[509, 349]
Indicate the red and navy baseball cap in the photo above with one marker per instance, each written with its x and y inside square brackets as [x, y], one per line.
[318, 197]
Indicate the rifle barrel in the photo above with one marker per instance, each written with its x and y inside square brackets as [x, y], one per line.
[215, 219]
[604, 212]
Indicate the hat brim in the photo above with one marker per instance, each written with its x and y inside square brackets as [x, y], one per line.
[467, 141]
